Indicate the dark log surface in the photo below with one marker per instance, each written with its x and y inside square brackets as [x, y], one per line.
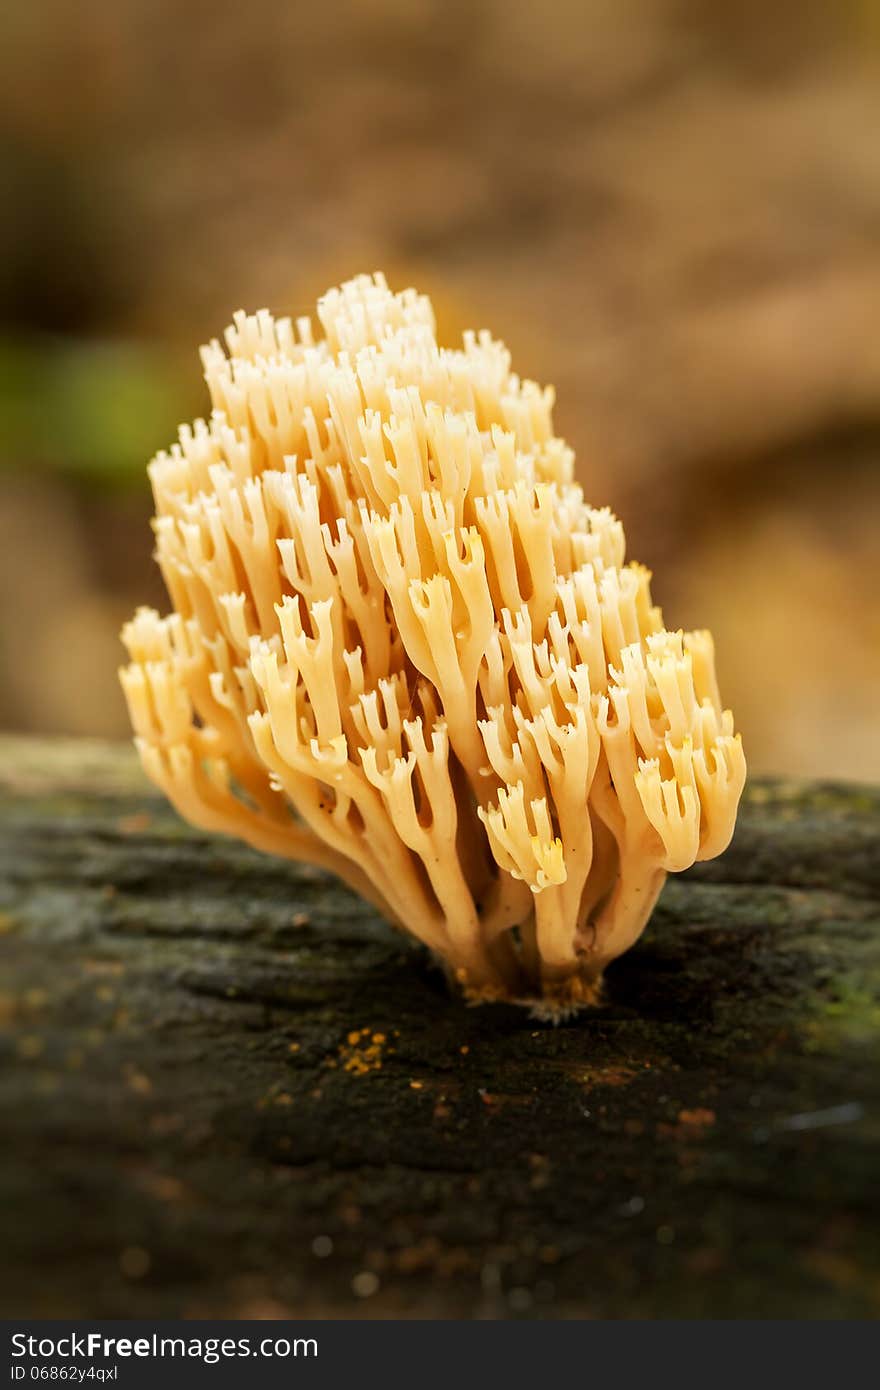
[227, 1088]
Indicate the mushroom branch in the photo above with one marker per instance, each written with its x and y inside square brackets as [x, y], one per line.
[406, 649]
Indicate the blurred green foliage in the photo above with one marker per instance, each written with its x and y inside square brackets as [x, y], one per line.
[92, 411]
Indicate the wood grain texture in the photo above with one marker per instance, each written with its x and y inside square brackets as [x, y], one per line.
[227, 1088]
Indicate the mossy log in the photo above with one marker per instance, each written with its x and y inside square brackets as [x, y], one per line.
[229, 1089]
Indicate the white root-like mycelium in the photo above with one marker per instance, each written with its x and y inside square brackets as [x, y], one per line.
[405, 648]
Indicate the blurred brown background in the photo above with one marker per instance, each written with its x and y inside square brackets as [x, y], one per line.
[671, 209]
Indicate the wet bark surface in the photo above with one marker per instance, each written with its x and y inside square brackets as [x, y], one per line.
[228, 1088]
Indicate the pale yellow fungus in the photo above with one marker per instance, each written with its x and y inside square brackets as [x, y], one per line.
[406, 649]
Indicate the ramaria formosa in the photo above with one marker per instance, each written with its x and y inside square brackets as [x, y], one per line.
[406, 649]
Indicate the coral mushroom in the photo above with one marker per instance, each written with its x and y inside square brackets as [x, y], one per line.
[407, 650]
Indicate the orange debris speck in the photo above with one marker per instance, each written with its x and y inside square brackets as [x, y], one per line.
[698, 1118]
